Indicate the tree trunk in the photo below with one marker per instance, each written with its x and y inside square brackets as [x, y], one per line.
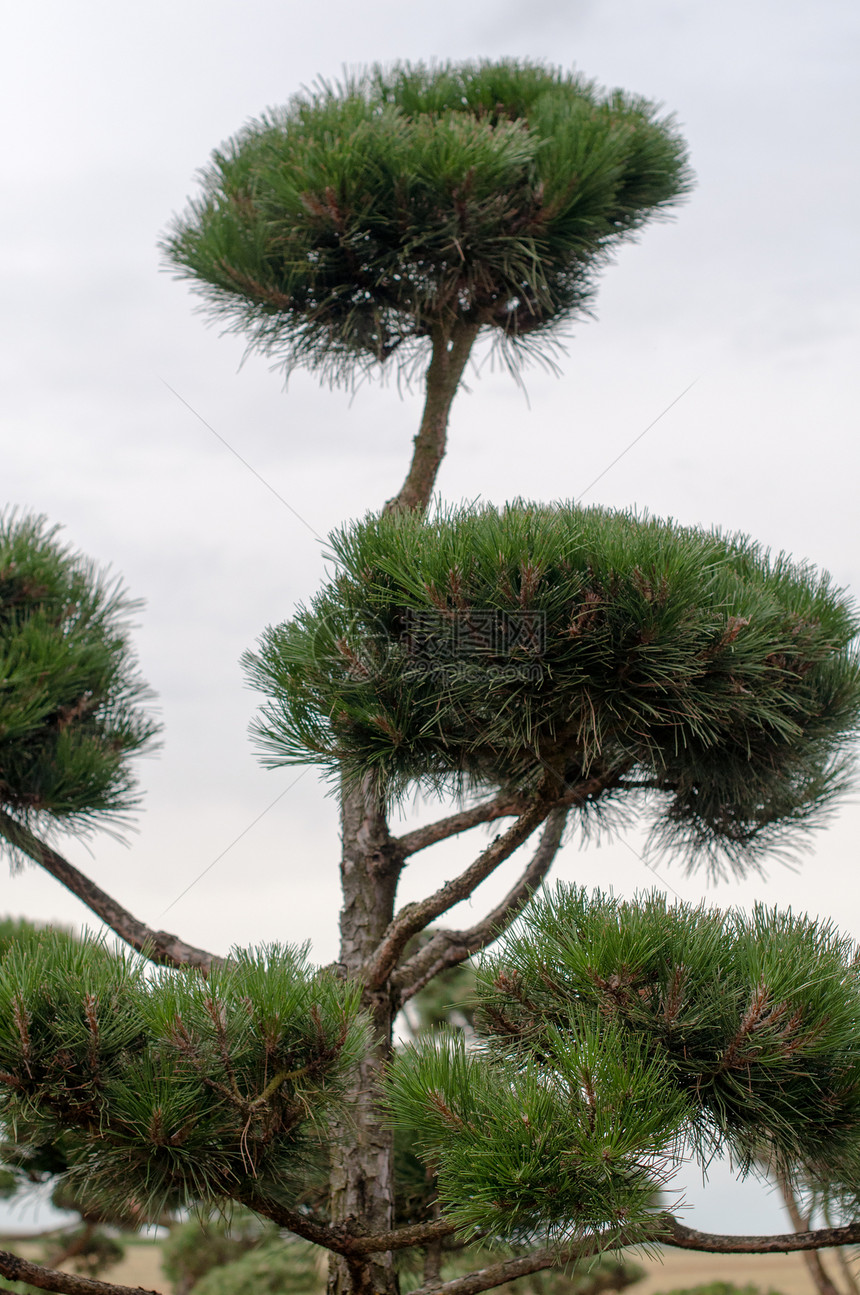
[362, 1178]
[451, 349]
[362, 1186]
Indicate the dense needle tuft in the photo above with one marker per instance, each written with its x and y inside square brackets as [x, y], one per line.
[173, 1089]
[348, 226]
[575, 647]
[613, 1039]
[72, 707]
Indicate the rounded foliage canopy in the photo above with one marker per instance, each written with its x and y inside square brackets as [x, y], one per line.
[504, 648]
[611, 1037]
[361, 218]
[71, 710]
[172, 1090]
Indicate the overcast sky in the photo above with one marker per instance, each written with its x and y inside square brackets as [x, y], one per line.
[751, 293]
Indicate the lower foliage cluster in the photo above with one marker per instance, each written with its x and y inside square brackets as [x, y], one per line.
[610, 1039]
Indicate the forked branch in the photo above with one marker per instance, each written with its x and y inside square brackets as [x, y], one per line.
[345, 1239]
[159, 946]
[449, 948]
[415, 917]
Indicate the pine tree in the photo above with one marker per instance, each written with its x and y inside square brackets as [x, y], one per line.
[540, 665]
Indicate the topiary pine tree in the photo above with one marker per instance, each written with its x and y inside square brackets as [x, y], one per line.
[537, 664]
[393, 219]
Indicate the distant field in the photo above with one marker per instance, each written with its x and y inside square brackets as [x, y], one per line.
[683, 1268]
[679, 1268]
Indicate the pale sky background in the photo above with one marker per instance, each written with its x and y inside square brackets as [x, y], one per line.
[751, 291]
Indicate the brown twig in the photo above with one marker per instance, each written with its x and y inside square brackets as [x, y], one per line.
[684, 1238]
[502, 806]
[510, 1269]
[326, 1235]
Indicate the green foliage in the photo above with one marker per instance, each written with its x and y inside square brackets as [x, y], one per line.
[608, 1029]
[535, 650]
[210, 1241]
[14, 929]
[41, 1158]
[71, 710]
[271, 1269]
[755, 1015]
[355, 221]
[172, 1089]
[571, 1140]
[627, 649]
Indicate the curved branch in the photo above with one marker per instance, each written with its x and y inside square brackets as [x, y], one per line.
[159, 946]
[326, 1235]
[15, 1269]
[422, 837]
[666, 1231]
[342, 1239]
[448, 948]
[684, 1238]
[538, 1261]
[414, 917]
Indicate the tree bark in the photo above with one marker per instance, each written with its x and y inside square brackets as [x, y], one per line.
[451, 349]
[361, 1189]
[362, 1179]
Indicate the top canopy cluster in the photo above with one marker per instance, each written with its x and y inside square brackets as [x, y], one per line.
[360, 219]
